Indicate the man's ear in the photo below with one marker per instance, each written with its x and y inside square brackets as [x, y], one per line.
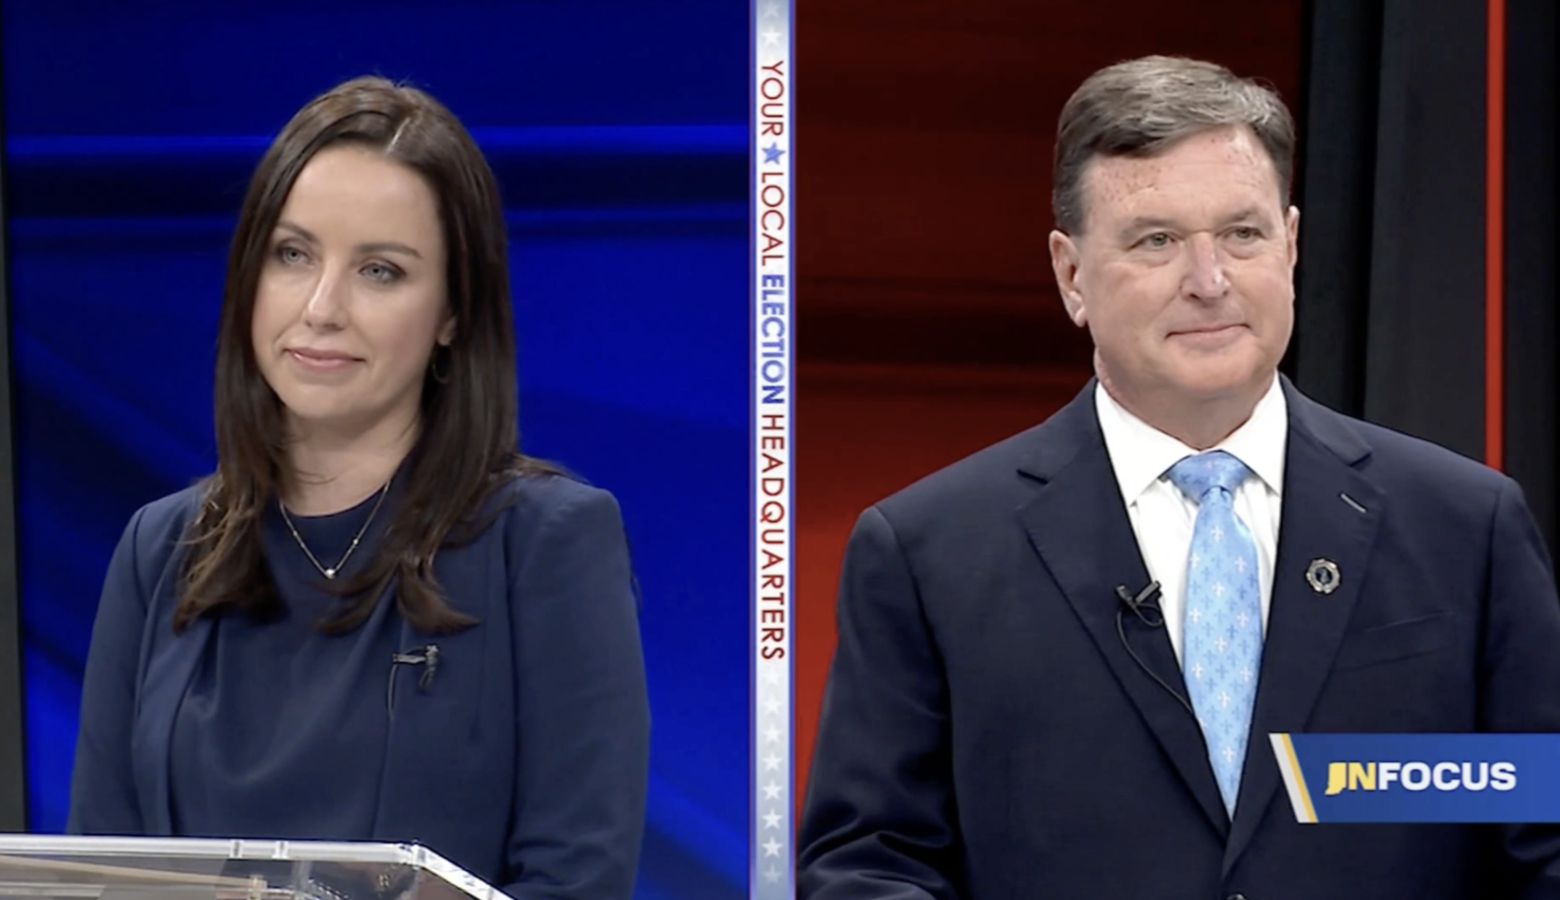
[1292, 236]
[1066, 263]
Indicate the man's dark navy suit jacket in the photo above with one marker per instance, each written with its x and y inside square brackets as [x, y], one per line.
[986, 733]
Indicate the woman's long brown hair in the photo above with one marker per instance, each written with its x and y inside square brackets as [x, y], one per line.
[468, 446]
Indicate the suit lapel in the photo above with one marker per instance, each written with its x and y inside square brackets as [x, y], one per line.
[428, 715]
[1078, 524]
[1306, 626]
[167, 679]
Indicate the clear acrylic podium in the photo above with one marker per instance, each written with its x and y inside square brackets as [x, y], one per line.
[48, 867]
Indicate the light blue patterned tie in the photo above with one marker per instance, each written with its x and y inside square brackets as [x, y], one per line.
[1222, 633]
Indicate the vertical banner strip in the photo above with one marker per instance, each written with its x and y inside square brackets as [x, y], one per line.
[773, 267]
[1294, 780]
[1495, 236]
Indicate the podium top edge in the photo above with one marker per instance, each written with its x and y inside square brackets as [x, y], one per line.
[219, 848]
[412, 855]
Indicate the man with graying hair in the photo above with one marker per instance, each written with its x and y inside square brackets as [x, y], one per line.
[1059, 659]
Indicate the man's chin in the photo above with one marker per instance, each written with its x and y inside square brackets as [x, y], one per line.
[1219, 386]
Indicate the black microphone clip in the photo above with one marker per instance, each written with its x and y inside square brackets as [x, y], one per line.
[427, 657]
[1145, 605]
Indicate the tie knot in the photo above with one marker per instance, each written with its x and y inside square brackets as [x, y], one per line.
[1197, 475]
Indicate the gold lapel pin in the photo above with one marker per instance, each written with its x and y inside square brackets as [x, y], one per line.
[1323, 576]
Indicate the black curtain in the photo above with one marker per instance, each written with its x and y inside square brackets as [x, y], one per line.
[13, 784]
[1532, 242]
[1390, 316]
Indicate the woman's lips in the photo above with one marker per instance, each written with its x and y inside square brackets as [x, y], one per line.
[321, 361]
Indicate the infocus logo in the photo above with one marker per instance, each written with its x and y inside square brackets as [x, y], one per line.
[1419, 776]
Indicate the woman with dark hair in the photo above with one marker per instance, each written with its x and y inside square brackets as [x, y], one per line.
[377, 620]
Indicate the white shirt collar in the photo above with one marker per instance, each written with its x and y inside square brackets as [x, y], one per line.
[1140, 453]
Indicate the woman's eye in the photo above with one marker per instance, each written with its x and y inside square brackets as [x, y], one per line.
[289, 255]
[381, 272]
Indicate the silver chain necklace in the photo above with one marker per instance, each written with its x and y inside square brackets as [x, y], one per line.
[330, 573]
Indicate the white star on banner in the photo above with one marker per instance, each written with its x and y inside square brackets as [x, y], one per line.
[771, 761]
[772, 677]
[772, 734]
[770, 36]
[772, 819]
[771, 874]
[772, 706]
[771, 847]
[771, 791]
[771, 9]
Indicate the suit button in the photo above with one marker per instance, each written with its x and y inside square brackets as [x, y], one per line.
[1236, 897]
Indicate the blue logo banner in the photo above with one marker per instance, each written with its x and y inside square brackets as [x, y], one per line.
[1505, 778]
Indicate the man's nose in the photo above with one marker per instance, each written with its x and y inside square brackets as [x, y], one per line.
[1205, 276]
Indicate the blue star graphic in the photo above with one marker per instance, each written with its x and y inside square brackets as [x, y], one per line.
[773, 152]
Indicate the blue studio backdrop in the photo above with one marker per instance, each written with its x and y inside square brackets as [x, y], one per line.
[618, 131]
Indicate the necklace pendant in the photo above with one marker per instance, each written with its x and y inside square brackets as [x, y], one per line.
[330, 573]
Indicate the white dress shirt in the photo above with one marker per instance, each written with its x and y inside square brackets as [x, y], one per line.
[1162, 517]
